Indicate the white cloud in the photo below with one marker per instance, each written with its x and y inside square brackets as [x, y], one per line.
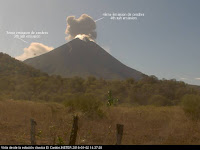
[197, 78]
[183, 78]
[35, 49]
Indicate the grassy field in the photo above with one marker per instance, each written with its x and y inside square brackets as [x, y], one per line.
[142, 124]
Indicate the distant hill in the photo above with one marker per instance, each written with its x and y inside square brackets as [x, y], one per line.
[11, 67]
[82, 58]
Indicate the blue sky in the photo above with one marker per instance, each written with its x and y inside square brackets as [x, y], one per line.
[165, 42]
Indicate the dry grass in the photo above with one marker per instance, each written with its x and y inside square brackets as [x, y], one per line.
[142, 125]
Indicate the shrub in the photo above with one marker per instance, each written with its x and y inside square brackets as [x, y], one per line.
[87, 104]
[159, 100]
[111, 101]
[191, 106]
[60, 141]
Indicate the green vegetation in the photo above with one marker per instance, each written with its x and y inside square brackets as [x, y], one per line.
[111, 100]
[57, 89]
[191, 106]
[159, 100]
[60, 141]
[87, 104]
[11, 67]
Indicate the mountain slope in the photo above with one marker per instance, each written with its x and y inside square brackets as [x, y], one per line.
[11, 67]
[82, 58]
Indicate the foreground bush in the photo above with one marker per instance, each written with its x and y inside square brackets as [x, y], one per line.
[87, 104]
[191, 106]
[159, 100]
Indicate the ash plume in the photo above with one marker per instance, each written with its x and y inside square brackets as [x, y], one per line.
[83, 27]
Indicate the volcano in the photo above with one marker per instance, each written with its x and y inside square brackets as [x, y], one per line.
[82, 58]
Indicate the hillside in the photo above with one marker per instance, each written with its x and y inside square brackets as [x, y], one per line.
[83, 59]
[11, 67]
